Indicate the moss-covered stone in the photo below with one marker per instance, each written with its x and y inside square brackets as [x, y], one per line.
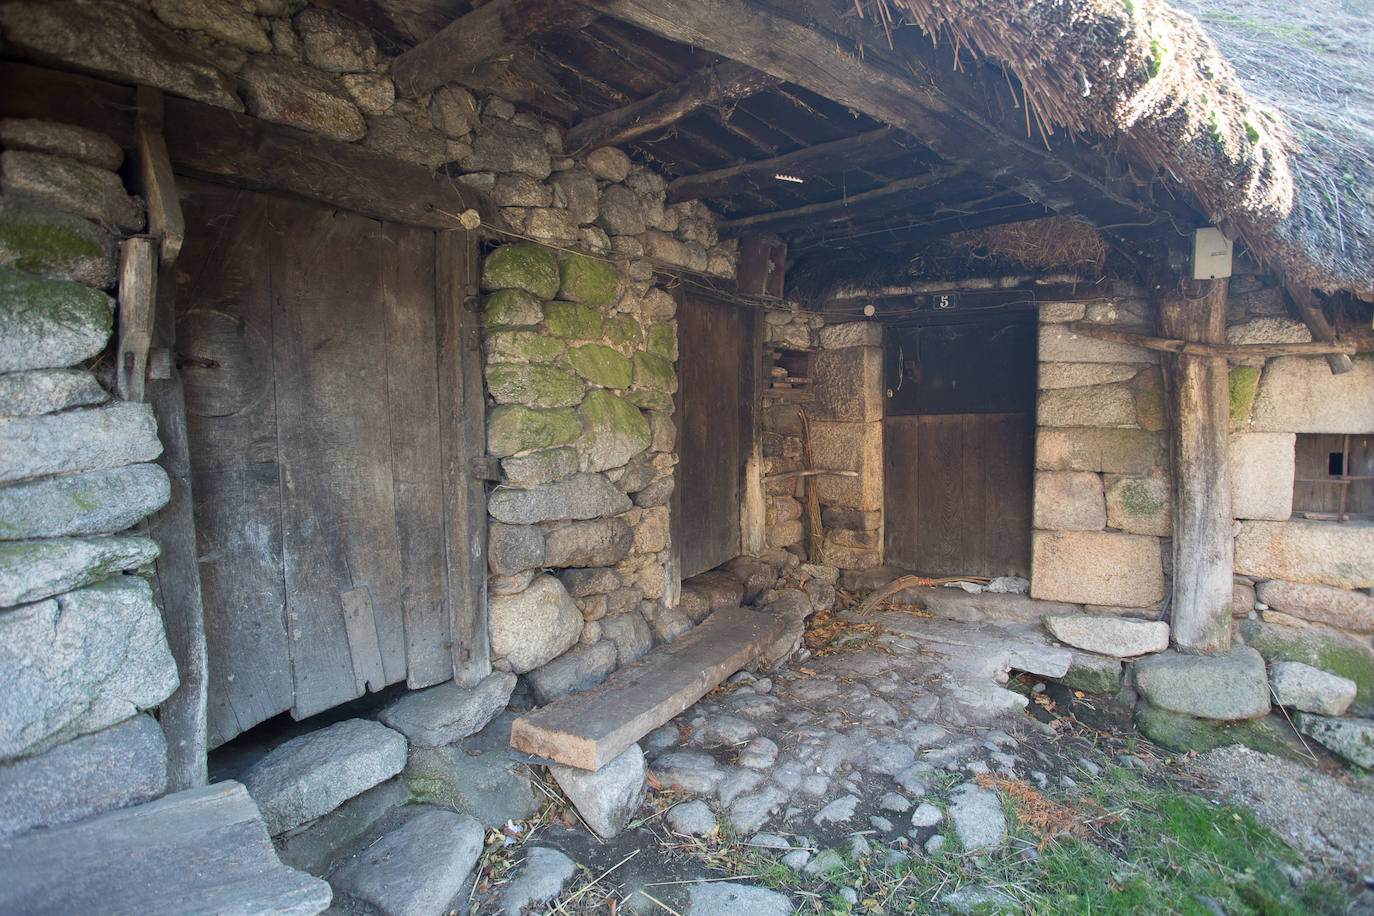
[588, 280]
[534, 386]
[517, 429]
[601, 365]
[513, 308]
[1100, 675]
[522, 347]
[654, 373]
[621, 330]
[663, 340]
[572, 321]
[1270, 734]
[1321, 648]
[613, 431]
[48, 324]
[55, 245]
[1244, 382]
[647, 399]
[529, 267]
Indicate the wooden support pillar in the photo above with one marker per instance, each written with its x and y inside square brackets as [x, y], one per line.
[1199, 402]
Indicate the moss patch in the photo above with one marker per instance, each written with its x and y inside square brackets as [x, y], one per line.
[621, 330]
[1270, 734]
[53, 244]
[533, 386]
[528, 267]
[513, 308]
[613, 431]
[601, 365]
[47, 323]
[650, 400]
[517, 429]
[1320, 648]
[654, 373]
[1244, 382]
[1095, 678]
[572, 321]
[663, 340]
[1139, 498]
[588, 280]
[522, 346]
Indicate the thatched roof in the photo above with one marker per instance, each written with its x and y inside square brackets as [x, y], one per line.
[1265, 114]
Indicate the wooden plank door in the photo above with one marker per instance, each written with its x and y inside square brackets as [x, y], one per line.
[321, 440]
[958, 448]
[715, 359]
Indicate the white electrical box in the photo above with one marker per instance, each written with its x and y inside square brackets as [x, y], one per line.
[1211, 254]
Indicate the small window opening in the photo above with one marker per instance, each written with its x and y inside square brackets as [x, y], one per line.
[1334, 477]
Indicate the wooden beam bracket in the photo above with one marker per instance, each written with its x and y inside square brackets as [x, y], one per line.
[159, 189]
[722, 82]
[137, 293]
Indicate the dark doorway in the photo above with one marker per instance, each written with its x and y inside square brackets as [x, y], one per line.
[958, 445]
[323, 357]
[716, 366]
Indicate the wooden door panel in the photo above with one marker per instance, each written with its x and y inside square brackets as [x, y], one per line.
[713, 340]
[322, 380]
[224, 340]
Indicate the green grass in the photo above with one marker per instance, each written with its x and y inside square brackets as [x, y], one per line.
[1158, 850]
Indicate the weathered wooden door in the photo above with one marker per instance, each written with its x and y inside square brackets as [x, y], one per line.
[330, 395]
[958, 447]
[716, 356]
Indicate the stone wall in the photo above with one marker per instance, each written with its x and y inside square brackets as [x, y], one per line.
[1101, 504]
[580, 342]
[83, 653]
[844, 412]
[1102, 485]
[1301, 572]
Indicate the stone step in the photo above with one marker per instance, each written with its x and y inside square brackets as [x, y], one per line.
[591, 728]
[203, 850]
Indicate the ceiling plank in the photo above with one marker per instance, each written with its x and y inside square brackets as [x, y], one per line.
[721, 82]
[844, 208]
[492, 30]
[759, 173]
[884, 89]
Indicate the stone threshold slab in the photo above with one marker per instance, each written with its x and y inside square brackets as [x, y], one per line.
[592, 728]
[203, 850]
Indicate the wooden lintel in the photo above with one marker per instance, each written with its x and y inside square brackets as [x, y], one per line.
[847, 153]
[211, 142]
[155, 176]
[1199, 348]
[1322, 331]
[137, 294]
[722, 82]
[492, 30]
[830, 209]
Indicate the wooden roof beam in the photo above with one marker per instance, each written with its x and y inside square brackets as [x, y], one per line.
[492, 30]
[844, 208]
[815, 57]
[758, 174]
[721, 82]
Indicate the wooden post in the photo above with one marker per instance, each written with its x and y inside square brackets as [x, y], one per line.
[1199, 401]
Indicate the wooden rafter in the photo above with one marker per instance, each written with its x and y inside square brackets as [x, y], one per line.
[810, 214]
[893, 90]
[492, 30]
[759, 173]
[722, 82]
[1322, 331]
